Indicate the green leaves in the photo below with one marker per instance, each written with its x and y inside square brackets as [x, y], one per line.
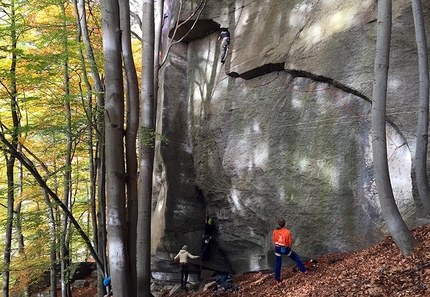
[149, 137]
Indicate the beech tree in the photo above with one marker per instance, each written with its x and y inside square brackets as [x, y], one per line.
[65, 230]
[146, 151]
[132, 122]
[423, 111]
[95, 118]
[10, 158]
[396, 226]
[114, 129]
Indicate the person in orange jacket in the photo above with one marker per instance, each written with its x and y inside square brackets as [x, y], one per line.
[283, 241]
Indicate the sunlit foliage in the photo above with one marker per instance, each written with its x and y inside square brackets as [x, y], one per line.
[41, 98]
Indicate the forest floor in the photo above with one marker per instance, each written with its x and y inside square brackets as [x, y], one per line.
[379, 271]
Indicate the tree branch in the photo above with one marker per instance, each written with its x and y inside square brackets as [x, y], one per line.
[32, 169]
[198, 10]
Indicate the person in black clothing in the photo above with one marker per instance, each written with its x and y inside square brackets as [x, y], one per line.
[207, 237]
[225, 41]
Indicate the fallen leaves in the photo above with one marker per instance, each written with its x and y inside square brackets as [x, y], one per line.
[379, 271]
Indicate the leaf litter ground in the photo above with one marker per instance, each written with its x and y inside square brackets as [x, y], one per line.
[379, 271]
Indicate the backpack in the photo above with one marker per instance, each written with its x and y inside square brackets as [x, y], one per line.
[222, 278]
[225, 283]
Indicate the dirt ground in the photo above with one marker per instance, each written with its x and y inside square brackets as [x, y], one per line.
[379, 271]
[83, 292]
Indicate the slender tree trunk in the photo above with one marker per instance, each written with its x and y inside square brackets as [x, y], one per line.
[146, 150]
[19, 234]
[114, 129]
[53, 246]
[101, 187]
[423, 111]
[397, 227]
[65, 234]
[101, 213]
[97, 171]
[8, 234]
[158, 28]
[99, 166]
[130, 136]
[18, 220]
[95, 74]
[10, 160]
[81, 18]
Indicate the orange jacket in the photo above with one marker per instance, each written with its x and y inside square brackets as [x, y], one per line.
[282, 237]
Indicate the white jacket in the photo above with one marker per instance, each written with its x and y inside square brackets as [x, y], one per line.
[183, 256]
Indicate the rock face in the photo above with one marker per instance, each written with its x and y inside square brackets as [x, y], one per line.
[281, 129]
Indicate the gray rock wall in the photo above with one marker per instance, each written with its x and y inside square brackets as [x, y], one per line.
[282, 129]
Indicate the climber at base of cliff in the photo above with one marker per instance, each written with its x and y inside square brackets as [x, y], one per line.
[225, 41]
[207, 237]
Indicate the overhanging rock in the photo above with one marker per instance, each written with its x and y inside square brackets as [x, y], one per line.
[193, 30]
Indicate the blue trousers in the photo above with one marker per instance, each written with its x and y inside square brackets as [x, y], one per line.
[290, 253]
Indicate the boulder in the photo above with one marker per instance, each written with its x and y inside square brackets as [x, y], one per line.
[281, 129]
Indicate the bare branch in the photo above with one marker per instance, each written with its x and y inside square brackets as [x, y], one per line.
[136, 16]
[136, 35]
[197, 11]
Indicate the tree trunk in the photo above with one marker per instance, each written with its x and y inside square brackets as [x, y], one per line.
[397, 227]
[81, 21]
[101, 214]
[65, 232]
[97, 171]
[19, 234]
[53, 246]
[10, 160]
[158, 28]
[423, 111]
[146, 150]
[8, 234]
[114, 129]
[132, 87]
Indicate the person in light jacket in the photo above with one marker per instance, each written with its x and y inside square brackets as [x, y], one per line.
[183, 256]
